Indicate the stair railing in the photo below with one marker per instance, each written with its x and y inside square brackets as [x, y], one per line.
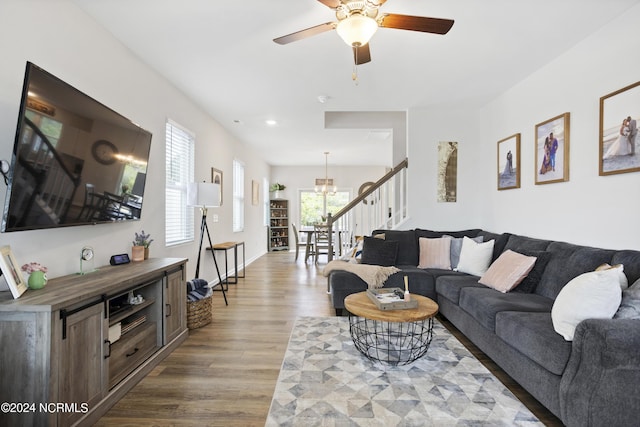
[382, 205]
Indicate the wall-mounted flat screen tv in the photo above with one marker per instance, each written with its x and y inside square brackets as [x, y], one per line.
[75, 161]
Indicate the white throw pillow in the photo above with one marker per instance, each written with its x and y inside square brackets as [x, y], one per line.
[475, 257]
[508, 271]
[594, 295]
[435, 253]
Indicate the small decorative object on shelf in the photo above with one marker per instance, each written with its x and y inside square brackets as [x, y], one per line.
[143, 241]
[86, 260]
[37, 275]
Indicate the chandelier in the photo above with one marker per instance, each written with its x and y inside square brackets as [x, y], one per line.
[325, 186]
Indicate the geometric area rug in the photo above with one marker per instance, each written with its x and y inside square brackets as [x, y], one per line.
[326, 381]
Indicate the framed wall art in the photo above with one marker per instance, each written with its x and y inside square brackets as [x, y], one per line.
[255, 192]
[509, 162]
[11, 272]
[618, 141]
[552, 150]
[216, 178]
[447, 171]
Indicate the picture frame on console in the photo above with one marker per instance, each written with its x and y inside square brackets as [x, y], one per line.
[216, 178]
[552, 150]
[11, 272]
[509, 162]
[618, 137]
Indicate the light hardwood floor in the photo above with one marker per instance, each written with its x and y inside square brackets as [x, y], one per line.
[224, 374]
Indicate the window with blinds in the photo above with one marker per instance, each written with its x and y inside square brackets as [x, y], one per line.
[180, 147]
[238, 196]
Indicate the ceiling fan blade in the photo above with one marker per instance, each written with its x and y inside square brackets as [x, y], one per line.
[303, 34]
[416, 23]
[330, 3]
[361, 54]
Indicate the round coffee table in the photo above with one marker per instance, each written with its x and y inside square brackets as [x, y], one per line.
[397, 337]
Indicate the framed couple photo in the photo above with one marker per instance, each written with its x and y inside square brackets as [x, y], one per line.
[618, 144]
[552, 150]
[509, 162]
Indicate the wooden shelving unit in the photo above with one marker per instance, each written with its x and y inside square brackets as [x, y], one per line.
[278, 225]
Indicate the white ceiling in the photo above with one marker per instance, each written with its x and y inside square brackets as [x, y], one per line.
[221, 55]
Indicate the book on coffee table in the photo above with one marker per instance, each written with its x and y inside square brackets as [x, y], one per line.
[390, 299]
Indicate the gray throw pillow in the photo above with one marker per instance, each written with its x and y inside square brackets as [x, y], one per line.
[379, 252]
[630, 305]
[456, 248]
[530, 283]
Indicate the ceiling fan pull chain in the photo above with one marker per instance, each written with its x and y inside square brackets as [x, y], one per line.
[354, 74]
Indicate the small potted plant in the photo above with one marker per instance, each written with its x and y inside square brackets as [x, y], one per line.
[276, 189]
[140, 250]
[37, 275]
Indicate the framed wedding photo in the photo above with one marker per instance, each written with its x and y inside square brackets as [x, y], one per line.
[11, 272]
[216, 178]
[509, 162]
[618, 143]
[552, 150]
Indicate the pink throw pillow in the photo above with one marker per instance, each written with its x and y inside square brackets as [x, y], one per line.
[435, 253]
[508, 271]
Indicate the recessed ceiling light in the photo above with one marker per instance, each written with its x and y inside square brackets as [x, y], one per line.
[271, 122]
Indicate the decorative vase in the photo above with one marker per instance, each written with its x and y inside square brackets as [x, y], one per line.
[37, 280]
[146, 252]
[137, 253]
[276, 194]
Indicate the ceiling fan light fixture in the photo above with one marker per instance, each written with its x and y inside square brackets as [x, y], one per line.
[357, 29]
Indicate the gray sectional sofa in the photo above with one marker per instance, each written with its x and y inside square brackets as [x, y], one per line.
[593, 380]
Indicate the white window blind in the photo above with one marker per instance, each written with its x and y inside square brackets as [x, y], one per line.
[238, 196]
[180, 147]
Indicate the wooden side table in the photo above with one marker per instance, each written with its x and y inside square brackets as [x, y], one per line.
[397, 337]
[225, 247]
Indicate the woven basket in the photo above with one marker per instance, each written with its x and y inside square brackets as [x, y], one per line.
[199, 313]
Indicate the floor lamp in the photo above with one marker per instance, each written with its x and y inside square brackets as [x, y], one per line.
[205, 195]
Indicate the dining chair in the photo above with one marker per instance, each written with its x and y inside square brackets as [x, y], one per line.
[321, 240]
[307, 245]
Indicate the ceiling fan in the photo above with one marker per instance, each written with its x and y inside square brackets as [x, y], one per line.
[359, 20]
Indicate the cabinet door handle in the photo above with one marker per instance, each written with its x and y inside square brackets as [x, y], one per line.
[135, 350]
[168, 311]
[108, 355]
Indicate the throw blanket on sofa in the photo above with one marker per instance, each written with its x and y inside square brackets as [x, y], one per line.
[373, 275]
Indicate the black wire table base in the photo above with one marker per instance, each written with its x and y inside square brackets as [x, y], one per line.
[396, 343]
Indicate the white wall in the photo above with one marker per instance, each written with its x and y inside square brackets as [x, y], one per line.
[427, 129]
[589, 209]
[60, 38]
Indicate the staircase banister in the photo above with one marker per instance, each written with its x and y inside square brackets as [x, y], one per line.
[403, 164]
